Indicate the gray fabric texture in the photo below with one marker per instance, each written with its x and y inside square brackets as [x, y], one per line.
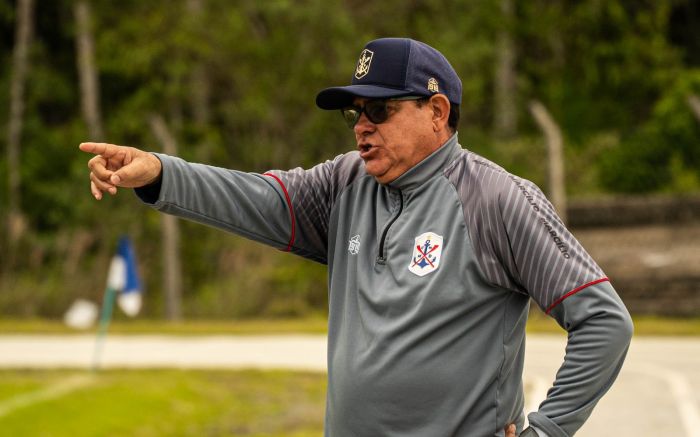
[430, 279]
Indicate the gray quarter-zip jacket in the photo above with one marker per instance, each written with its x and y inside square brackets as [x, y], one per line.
[429, 280]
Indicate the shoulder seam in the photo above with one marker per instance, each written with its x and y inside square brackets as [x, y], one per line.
[291, 210]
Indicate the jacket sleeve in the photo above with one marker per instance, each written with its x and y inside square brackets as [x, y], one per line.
[247, 204]
[523, 246]
[599, 332]
[288, 210]
[548, 263]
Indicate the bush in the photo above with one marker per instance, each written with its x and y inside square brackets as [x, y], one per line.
[663, 155]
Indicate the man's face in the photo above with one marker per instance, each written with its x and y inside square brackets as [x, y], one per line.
[389, 149]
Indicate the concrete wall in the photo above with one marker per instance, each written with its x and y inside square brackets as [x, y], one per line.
[649, 247]
[633, 211]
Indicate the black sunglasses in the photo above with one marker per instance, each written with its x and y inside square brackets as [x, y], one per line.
[376, 110]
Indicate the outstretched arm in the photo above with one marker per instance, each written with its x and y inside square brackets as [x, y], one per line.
[119, 166]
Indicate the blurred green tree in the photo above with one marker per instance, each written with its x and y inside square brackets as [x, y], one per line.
[235, 82]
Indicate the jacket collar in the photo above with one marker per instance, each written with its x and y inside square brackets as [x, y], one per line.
[429, 167]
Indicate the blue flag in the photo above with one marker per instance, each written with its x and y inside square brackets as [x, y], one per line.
[123, 278]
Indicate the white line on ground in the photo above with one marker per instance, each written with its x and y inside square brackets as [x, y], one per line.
[51, 392]
[682, 394]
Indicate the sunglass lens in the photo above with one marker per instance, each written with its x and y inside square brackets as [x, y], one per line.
[351, 116]
[376, 111]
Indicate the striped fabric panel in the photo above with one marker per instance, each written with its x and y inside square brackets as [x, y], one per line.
[520, 242]
[313, 193]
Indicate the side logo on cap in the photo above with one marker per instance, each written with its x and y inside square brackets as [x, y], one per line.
[433, 85]
[363, 63]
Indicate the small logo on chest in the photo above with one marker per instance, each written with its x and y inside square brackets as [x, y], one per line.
[427, 252]
[354, 245]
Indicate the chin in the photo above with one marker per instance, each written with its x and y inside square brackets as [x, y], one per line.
[383, 179]
[380, 172]
[373, 171]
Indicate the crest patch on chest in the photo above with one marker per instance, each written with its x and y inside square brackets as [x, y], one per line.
[427, 252]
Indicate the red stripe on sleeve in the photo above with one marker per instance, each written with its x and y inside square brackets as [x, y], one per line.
[574, 291]
[291, 211]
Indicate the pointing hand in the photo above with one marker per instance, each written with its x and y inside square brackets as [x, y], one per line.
[119, 166]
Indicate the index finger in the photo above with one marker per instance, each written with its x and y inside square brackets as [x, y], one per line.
[105, 149]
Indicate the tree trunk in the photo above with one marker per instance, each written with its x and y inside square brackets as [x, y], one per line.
[172, 267]
[199, 82]
[694, 103]
[200, 96]
[89, 80]
[20, 66]
[556, 182]
[505, 106]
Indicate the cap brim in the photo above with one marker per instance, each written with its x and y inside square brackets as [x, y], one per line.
[342, 96]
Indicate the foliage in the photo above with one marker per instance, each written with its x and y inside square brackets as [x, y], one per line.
[614, 74]
[664, 153]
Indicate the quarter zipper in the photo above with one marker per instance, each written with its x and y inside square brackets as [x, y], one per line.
[381, 259]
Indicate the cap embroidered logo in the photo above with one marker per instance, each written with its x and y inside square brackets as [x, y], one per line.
[363, 63]
[433, 85]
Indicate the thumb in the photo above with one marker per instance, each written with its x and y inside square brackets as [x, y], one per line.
[142, 170]
[127, 176]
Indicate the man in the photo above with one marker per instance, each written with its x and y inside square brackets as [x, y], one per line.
[433, 254]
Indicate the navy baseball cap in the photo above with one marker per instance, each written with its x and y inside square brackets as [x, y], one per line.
[396, 67]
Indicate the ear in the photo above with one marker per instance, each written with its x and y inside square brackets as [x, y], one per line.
[440, 106]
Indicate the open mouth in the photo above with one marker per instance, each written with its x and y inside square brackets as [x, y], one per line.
[364, 148]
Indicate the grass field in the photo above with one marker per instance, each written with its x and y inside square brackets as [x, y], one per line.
[314, 325]
[161, 403]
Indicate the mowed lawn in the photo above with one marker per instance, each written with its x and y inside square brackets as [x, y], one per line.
[161, 403]
[537, 323]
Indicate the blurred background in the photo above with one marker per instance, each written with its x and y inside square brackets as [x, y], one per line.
[611, 87]
[597, 102]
